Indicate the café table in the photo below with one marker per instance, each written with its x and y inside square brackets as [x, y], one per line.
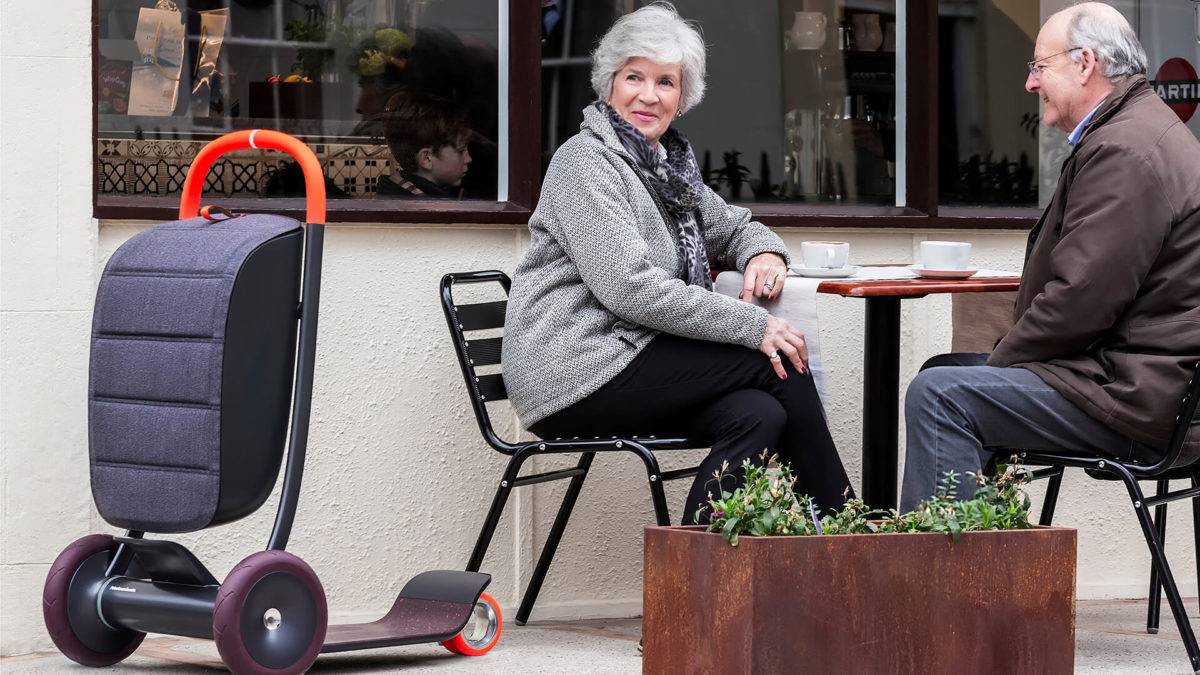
[881, 367]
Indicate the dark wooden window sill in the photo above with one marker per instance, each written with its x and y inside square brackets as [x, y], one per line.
[338, 211]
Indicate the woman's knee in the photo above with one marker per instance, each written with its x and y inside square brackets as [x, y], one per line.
[751, 412]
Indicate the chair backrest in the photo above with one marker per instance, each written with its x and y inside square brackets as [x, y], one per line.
[479, 352]
[1178, 454]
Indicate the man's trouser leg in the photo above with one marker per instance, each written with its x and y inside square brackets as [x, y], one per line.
[957, 416]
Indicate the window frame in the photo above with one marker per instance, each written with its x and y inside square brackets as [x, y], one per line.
[922, 210]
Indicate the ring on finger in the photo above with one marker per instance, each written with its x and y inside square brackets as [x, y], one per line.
[774, 356]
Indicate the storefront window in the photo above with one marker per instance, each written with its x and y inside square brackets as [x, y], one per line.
[988, 144]
[993, 149]
[398, 98]
[801, 100]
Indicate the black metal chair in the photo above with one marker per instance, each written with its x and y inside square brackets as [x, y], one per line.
[488, 388]
[1178, 463]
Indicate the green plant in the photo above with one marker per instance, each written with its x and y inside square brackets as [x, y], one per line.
[370, 50]
[732, 174]
[309, 60]
[999, 504]
[379, 48]
[766, 505]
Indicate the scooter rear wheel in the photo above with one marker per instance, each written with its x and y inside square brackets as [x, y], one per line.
[69, 605]
[482, 631]
[270, 615]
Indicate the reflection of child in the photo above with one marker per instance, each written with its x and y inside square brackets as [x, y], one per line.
[428, 137]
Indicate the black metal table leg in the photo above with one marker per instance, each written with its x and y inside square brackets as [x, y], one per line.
[881, 396]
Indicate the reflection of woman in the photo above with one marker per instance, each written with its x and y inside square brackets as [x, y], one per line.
[612, 324]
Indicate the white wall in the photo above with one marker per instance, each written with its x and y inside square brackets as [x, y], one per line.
[47, 249]
[399, 479]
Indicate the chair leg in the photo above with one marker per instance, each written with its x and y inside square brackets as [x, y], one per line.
[654, 474]
[1153, 607]
[493, 517]
[1159, 559]
[1051, 499]
[553, 539]
[662, 515]
[1196, 524]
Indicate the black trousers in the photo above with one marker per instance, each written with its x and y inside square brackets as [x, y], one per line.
[719, 395]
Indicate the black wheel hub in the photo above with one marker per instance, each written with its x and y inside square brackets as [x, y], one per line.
[278, 620]
[83, 610]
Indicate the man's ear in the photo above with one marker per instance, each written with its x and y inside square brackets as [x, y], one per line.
[425, 158]
[1087, 65]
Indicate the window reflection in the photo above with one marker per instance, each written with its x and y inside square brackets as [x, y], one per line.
[988, 141]
[173, 75]
[993, 148]
[801, 101]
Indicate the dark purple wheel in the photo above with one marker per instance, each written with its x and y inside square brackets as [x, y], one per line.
[270, 616]
[69, 605]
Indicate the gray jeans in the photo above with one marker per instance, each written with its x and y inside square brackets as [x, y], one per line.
[958, 412]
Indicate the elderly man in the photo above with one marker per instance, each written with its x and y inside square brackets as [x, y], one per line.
[1107, 320]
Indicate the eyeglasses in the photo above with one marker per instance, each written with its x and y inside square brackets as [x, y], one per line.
[1035, 69]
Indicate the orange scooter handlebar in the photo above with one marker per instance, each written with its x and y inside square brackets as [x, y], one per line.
[314, 179]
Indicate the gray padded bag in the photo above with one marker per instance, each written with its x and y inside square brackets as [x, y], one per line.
[193, 347]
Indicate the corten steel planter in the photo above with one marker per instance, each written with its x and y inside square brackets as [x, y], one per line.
[992, 602]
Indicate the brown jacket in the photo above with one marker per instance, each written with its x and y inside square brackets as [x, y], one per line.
[1109, 307]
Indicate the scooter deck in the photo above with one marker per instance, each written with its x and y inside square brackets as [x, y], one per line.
[432, 607]
[408, 622]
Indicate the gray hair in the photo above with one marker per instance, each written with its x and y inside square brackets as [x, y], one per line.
[1103, 29]
[655, 32]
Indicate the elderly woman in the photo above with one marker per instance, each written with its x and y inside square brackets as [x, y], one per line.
[613, 326]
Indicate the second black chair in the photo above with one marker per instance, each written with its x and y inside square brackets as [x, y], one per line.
[1181, 461]
[476, 353]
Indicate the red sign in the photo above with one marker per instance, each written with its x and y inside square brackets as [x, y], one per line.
[1177, 85]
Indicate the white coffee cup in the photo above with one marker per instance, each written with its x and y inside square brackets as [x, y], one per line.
[945, 255]
[824, 254]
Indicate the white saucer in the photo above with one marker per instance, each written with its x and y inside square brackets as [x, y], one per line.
[825, 272]
[920, 271]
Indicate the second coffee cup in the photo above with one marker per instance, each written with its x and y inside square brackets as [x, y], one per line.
[945, 255]
[825, 254]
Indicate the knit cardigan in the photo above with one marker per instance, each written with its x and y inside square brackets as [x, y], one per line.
[602, 277]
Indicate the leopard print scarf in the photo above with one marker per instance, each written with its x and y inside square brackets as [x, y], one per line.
[676, 181]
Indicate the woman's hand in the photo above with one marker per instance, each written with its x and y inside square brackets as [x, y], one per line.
[763, 277]
[781, 341]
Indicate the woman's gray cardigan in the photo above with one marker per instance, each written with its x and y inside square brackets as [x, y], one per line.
[602, 276]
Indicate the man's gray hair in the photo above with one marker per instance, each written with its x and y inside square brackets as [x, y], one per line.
[1102, 29]
[655, 32]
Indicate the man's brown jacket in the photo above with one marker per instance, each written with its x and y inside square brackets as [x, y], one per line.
[1108, 312]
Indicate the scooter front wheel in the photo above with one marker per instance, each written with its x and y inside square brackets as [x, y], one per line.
[69, 605]
[270, 615]
[482, 631]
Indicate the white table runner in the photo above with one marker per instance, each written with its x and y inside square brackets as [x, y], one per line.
[798, 304]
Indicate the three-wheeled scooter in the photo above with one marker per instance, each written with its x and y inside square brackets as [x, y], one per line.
[203, 344]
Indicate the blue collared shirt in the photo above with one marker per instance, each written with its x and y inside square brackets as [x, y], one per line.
[1074, 137]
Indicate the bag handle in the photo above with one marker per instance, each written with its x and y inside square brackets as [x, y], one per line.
[314, 179]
